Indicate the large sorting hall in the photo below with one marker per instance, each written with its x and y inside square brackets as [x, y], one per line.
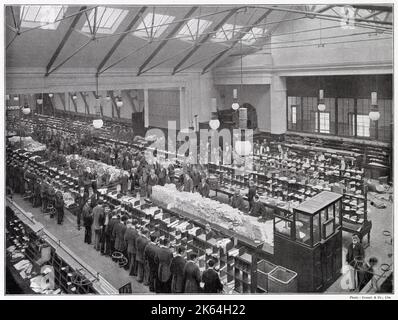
[198, 149]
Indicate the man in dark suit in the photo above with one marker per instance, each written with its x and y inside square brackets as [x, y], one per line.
[258, 208]
[236, 201]
[177, 271]
[251, 194]
[140, 244]
[110, 246]
[211, 279]
[80, 200]
[204, 188]
[192, 275]
[151, 265]
[130, 237]
[118, 232]
[163, 258]
[355, 257]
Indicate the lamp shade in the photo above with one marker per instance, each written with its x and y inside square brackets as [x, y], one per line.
[50, 95]
[374, 115]
[108, 97]
[16, 98]
[98, 123]
[26, 110]
[321, 107]
[243, 148]
[74, 97]
[39, 101]
[214, 124]
[235, 106]
[119, 103]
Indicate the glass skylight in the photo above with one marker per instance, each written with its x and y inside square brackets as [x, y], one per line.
[252, 35]
[153, 25]
[44, 16]
[107, 20]
[227, 32]
[193, 28]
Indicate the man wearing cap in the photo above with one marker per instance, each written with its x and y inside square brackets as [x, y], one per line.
[177, 271]
[141, 242]
[37, 198]
[130, 237]
[211, 279]
[98, 222]
[204, 188]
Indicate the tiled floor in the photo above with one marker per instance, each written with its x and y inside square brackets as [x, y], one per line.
[73, 239]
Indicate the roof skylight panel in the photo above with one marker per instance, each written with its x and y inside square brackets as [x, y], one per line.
[106, 19]
[226, 32]
[153, 25]
[193, 29]
[44, 16]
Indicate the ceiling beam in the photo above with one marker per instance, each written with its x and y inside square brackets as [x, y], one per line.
[62, 98]
[172, 33]
[235, 41]
[64, 39]
[120, 39]
[374, 14]
[114, 105]
[73, 101]
[87, 107]
[205, 38]
[325, 8]
[373, 7]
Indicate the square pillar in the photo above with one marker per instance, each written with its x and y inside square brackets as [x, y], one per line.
[278, 105]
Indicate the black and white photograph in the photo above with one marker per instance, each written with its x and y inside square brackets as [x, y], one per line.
[198, 149]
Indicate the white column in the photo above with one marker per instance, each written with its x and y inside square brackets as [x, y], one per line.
[278, 105]
[184, 114]
[146, 109]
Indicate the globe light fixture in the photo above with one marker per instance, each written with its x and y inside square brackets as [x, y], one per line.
[98, 123]
[51, 95]
[119, 103]
[39, 101]
[235, 104]
[374, 113]
[16, 98]
[26, 110]
[321, 104]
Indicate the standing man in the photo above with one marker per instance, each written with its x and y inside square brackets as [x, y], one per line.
[59, 207]
[152, 181]
[130, 237]
[141, 243]
[236, 201]
[177, 271]
[354, 258]
[151, 265]
[88, 222]
[204, 188]
[211, 279]
[187, 183]
[192, 275]
[80, 200]
[164, 257]
[98, 222]
[251, 194]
